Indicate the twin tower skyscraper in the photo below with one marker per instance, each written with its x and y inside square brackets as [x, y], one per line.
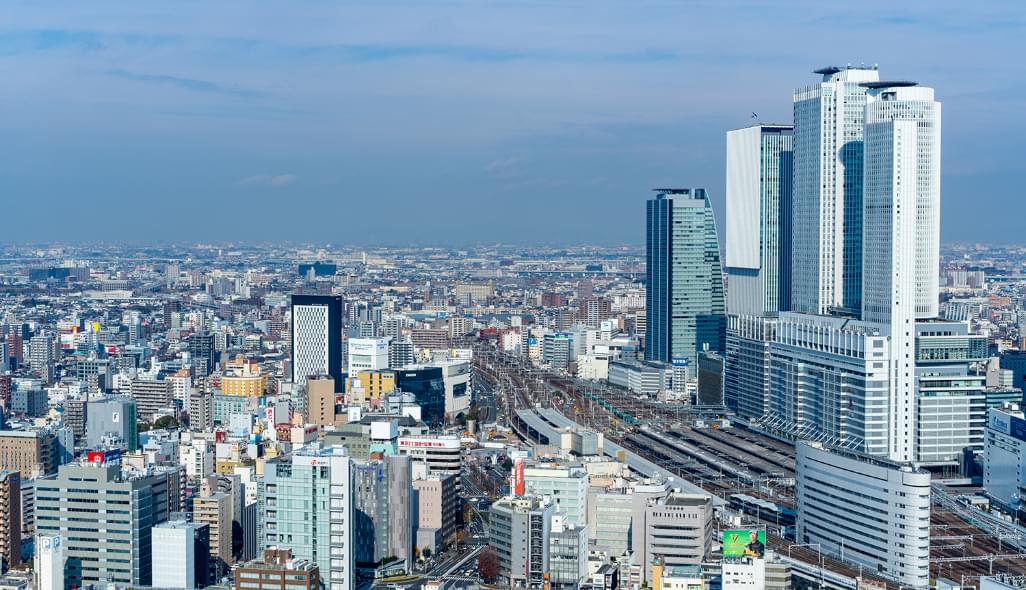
[831, 258]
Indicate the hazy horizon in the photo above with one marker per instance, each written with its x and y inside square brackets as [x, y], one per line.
[456, 122]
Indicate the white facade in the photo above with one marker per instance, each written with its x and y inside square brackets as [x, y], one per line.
[829, 379]
[901, 235]
[367, 354]
[310, 336]
[566, 485]
[743, 574]
[864, 509]
[174, 555]
[828, 128]
[49, 562]
[1004, 453]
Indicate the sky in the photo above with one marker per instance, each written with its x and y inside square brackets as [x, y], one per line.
[458, 122]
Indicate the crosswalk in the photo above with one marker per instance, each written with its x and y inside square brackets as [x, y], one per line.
[467, 579]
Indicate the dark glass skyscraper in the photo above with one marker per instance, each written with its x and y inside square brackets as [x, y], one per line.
[684, 297]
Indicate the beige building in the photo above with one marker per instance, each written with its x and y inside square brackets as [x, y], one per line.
[319, 402]
[29, 452]
[438, 509]
[214, 509]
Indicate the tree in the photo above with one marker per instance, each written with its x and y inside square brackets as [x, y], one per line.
[488, 564]
[426, 553]
[164, 422]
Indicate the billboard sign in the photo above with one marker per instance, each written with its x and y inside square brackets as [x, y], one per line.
[518, 477]
[744, 542]
[679, 361]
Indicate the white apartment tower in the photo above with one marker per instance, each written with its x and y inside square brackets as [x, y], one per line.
[901, 216]
[827, 190]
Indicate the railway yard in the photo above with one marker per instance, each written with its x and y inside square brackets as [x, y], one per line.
[751, 470]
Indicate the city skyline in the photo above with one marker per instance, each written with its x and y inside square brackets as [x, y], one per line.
[555, 114]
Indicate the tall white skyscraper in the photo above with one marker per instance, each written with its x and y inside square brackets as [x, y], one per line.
[49, 562]
[758, 253]
[902, 233]
[827, 190]
[316, 337]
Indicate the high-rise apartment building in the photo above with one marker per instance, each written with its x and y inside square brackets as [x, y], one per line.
[758, 228]
[214, 508]
[316, 337]
[901, 270]
[308, 507]
[109, 545]
[151, 396]
[826, 220]
[29, 452]
[10, 519]
[684, 298]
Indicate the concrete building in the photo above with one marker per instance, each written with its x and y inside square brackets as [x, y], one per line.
[566, 485]
[684, 301]
[367, 354]
[1004, 457]
[438, 507]
[556, 351]
[901, 252]
[319, 400]
[10, 519]
[829, 377]
[383, 510]
[29, 452]
[103, 546]
[568, 554]
[746, 379]
[308, 506]
[829, 120]
[278, 570]
[678, 528]
[869, 510]
[112, 422]
[214, 508]
[49, 563]
[609, 521]
[180, 555]
[710, 379]
[244, 378]
[758, 219]
[519, 532]
[641, 377]
[151, 396]
[441, 454]
[316, 337]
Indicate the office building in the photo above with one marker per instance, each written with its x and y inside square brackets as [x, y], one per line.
[900, 281]
[951, 396]
[710, 379]
[202, 352]
[758, 219]
[49, 562]
[29, 402]
[180, 555]
[869, 510]
[826, 228]
[678, 528]
[384, 510]
[316, 334]
[441, 454]
[746, 387]
[29, 452]
[114, 545]
[642, 377]
[519, 532]
[278, 570]
[427, 384]
[566, 485]
[684, 300]
[370, 387]
[438, 506]
[10, 519]
[829, 379]
[609, 521]
[319, 400]
[556, 351]
[111, 422]
[1004, 457]
[400, 353]
[308, 507]
[367, 354]
[568, 554]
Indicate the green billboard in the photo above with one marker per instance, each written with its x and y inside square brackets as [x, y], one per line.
[744, 543]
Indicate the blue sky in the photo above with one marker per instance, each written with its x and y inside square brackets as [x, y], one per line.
[460, 121]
